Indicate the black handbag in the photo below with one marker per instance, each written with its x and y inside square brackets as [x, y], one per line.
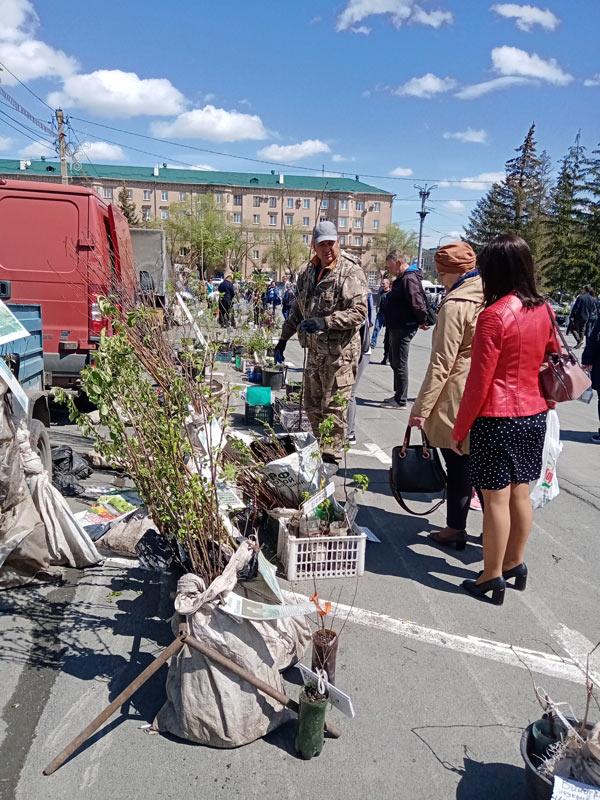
[417, 469]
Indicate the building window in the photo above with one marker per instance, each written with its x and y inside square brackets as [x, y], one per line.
[272, 202]
[306, 203]
[256, 219]
[237, 199]
[145, 213]
[376, 224]
[182, 196]
[255, 255]
[343, 205]
[358, 223]
[183, 251]
[290, 202]
[272, 219]
[305, 238]
[335, 205]
[147, 194]
[373, 258]
[342, 240]
[360, 206]
[164, 196]
[322, 219]
[164, 214]
[325, 203]
[342, 222]
[373, 278]
[289, 219]
[272, 237]
[256, 201]
[130, 194]
[306, 221]
[357, 241]
[377, 207]
[219, 197]
[108, 193]
[237, 218]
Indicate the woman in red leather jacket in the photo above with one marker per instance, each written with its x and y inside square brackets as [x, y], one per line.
[505, 410]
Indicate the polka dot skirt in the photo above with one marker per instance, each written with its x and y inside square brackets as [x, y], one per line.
[506, 450]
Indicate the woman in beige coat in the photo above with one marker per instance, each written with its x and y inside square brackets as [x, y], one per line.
[437, 404]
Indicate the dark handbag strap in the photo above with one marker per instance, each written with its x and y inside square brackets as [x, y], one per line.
[426, 454]
[555, 330]
[406, 443]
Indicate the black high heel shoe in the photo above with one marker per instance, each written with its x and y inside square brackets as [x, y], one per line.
[496, 586]
[459, 539]
[519, 573]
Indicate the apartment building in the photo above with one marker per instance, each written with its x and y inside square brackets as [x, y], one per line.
[263, 205]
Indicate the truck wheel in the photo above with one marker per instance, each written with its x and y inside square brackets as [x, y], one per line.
[40, 442]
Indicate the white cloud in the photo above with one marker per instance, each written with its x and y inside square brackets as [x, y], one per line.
[293, 152]
[468, 135]
[336, 157]
[528, 16]
[399, 11]
[481, 182]
[366, 94]
[113, 92]
[5, 142]
[362, 29]
[401, 172]
[593, 81]
[427, 86]
[455, 206]
[212, 123]
[37, 149]
[512, 61]
[479, 89]
[19, 20]
[100, 151]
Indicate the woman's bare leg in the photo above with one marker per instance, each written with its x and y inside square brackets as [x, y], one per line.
[521, 520]
[496, 531]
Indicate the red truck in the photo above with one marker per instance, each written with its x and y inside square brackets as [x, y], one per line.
[62, 247]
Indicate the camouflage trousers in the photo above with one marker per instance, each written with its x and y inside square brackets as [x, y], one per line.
[326, 378]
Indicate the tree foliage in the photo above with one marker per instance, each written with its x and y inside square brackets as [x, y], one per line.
[127, 207]
[287, 254]
[394, 238]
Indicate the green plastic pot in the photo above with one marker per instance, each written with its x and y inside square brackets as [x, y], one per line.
[310, 731]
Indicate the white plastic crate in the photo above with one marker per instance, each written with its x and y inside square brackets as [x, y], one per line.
[321, 556]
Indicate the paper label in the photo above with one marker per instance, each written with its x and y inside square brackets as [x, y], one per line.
[567, 789]
[251, 609]
[14, 385]
[10, 327]
[311, 504]
[337, 698]
[269, 573]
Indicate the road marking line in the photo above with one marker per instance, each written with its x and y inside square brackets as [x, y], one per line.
[578, 647]
[537, 661]
[378, 453]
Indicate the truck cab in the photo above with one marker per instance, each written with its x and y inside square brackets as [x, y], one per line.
[62, 247]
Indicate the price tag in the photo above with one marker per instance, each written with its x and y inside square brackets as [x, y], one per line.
[566, 789]
[337, 698]
[309, 506]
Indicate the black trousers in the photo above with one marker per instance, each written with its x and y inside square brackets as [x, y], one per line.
[458, 489]
[578, 329]
[400, 339]
[386, 344]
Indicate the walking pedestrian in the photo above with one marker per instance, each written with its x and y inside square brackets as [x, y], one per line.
[287, 300]
[404, 312]
[271, 296]
[380, 306]
[584, 309]
[226, 295]
[591, 361]
[329, 308]
[504, 409]
[438, 401]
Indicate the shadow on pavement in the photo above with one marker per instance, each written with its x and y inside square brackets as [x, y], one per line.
[584, 437]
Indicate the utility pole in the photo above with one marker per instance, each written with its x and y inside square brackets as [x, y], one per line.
[62, 145]
[424, 193]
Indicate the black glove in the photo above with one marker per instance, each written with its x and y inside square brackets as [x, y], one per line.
[279, 351]
[313, 325]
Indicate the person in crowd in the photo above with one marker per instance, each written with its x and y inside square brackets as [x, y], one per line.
[380, 306]
[591, 362]
[437, 403]
[287, 300]
[404, 312]
[226, 295]
[584, 310]
[365, 357]
[329, 308]
[504, 409]
[271, 296]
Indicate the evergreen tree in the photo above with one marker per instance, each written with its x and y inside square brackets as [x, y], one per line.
[127, 207]
[567, 253]
[489, 218]
[591, 274]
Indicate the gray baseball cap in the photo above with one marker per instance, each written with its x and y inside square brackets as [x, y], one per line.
[325, 232]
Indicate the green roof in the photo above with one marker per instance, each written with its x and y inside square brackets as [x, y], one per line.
[192, 176]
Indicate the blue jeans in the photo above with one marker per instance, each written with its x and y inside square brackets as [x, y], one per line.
[379, 324]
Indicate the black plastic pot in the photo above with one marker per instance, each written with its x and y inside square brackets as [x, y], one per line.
[272, 377]
[324, 653]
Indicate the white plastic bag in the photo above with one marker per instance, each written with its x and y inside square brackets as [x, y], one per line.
[547, 486]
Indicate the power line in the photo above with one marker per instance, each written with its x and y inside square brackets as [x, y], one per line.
[20, 124]
[24, 85]
[22, 110]
[23, 134]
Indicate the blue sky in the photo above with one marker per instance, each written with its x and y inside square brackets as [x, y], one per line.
[436, 90]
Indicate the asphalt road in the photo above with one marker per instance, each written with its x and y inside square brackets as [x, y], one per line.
[442, 684]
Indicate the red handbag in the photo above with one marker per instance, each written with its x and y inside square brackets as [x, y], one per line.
[563, 378]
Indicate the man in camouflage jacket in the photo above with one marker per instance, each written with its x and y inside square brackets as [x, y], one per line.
[330, 307]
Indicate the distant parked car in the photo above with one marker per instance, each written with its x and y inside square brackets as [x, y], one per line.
[560, 312]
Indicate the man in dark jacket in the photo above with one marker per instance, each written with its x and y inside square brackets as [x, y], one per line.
[405, 311]
[584, 310]
[591, 362]
[226, 295]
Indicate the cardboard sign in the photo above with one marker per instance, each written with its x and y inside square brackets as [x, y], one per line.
[311, 504]
[337, 698]
[10, 327]
[567, 789]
